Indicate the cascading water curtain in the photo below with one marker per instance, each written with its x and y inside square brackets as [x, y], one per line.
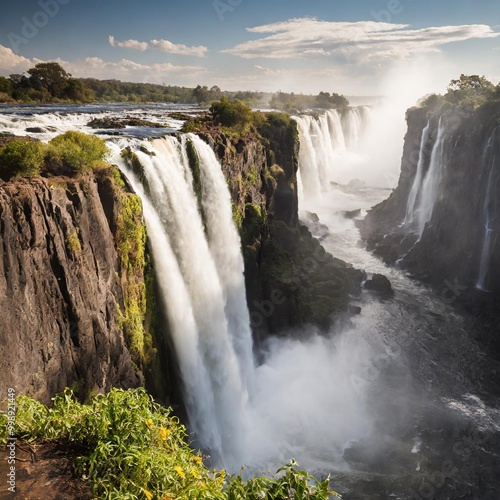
[197, 257]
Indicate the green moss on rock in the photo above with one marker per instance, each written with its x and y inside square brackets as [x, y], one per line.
[134, 163]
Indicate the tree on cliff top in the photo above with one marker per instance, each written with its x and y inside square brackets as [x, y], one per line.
[236, 115]
[469, 89]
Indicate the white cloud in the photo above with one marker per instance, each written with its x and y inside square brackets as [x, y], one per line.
[364, 41]
[179, 48]
[128, 44]
[13, 63]
[161, 45]
[269, 71]
[95, 67]
[131, 70]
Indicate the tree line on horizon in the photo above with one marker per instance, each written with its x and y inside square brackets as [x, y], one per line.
[51, 83]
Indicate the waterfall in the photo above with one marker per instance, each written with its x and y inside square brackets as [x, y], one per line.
[200, 275]
[309, 176]
[417, 182]
[430, 184]
[326, 142]
[489, 211]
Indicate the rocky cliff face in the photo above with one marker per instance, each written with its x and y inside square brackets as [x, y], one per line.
[66, 295]
[291, 281]
[442, 222]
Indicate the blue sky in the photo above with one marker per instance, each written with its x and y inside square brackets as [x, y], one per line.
[353, 47]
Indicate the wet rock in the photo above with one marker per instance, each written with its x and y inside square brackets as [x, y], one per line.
[120, 123]
[312, 216]
[379, 283]
[35, 130]
[350, 214]
[354, 309]
[106, 122]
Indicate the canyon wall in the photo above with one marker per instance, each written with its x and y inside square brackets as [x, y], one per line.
[442, 222]
[72, 290]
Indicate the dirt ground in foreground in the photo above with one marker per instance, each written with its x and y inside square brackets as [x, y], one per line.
[43, 472]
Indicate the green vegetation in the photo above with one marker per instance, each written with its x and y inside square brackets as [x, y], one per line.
[21, 158]
[135, 165]
[194, 165]
[46, 82]
[473, 90]
[68, 153]
[73, 243]
[131, 243]
[129, 447]
[49, 82]
[252, 224]
[117, 177]
[75, 151]
[235, 115]
[296, 102]
[467, 90]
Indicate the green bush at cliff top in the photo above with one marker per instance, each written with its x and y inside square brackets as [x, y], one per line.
[236, 115]
[131, 447]
[76, 151]
[21, 158]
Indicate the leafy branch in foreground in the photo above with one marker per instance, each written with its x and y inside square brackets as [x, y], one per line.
[132, 448]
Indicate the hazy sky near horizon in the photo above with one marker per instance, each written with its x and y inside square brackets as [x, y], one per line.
[356, 47]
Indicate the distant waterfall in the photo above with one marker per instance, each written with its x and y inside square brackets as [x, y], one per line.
[200, 276]
[430, 183]
[417, 183]
[489, 209]
[324, 141]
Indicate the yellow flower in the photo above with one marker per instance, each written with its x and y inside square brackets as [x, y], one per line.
[198, 460]
[195, 472]
[179, 471]
[149, 495]
[164, 433]
[149, 423]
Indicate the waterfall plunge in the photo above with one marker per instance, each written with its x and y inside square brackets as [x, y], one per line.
[430, 184]
[329, 144]
[417, 183]
[489, 159]
[200, 276]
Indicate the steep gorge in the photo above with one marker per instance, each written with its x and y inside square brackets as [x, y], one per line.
[78, 294]
[442, 222]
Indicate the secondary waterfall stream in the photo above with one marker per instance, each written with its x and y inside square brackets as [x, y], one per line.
[489, 161]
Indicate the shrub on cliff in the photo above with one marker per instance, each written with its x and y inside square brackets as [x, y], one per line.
[21, 158]
[131, 447]
[236, 115]
[230, 113]
[74, 152]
